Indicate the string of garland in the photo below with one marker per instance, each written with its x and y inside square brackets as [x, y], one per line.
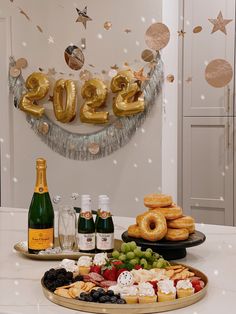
[112, 137]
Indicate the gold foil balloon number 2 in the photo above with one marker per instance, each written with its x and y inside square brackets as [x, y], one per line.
[127, 102]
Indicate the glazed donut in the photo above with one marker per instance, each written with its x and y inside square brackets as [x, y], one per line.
[157, 200]
[191, 229]
[171, 212]
[140, 217]
[152, 226]
[177, 234]
[183, 222]
[134, 232]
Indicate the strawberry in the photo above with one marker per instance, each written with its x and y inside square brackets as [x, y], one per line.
[197, 288]
[110, 273]
[120, 271]
[95, 269]
[195, 282]
[117, 263]
[137, 267]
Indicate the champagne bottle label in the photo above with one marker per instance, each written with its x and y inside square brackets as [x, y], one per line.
[104, 214]
[86, 241]
[87, 215]
[40, 239]
[105, 241]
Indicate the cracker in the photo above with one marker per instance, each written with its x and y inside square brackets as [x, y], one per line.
[63, 293]
[74, 292]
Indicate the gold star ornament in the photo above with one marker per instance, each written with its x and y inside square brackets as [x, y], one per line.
[219, 24]
[83, 17]
[140, 76]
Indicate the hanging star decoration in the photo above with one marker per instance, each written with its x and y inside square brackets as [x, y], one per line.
[219, 24]
[140, 76]
[181, 33]
[83, 17]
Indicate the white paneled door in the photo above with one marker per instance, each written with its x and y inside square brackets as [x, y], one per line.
[200, 48]
[208, 169]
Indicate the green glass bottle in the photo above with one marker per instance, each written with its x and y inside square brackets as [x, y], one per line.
[104, 227]
[41, 214]
[86, 226]
[100, 197]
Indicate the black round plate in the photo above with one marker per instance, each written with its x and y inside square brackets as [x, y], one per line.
[169, 249]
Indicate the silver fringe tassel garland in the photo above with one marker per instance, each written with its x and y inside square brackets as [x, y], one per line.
[93, 145]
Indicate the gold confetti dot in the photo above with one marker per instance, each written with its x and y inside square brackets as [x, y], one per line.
[197, 29]
[218, 73]
[147, 55]
[170, 78]
[107, 25]
[157, 36]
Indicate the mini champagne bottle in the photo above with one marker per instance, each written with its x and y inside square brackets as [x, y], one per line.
[104, 227]
[41, 214]
[86, 226]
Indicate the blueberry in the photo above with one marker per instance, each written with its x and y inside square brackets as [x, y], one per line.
[88, 298]
[95, 295]
[83, 294]
[81, 298]
[102, 299]
[120, 301]
[113, 299]
[107, 298]
[101, 292]
[110, 293]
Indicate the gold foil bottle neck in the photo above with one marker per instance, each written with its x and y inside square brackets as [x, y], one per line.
[41, 163]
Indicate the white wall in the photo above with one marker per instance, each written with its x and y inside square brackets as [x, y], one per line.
[138, 167]
[170, 16]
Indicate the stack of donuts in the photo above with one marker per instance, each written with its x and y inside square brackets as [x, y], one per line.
[162, 220]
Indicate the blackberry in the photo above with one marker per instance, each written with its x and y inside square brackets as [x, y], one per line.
[69, 275]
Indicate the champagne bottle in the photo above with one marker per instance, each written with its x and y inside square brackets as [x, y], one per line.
[100, 197]
[86, 226]
[41, 214]
[104, 227]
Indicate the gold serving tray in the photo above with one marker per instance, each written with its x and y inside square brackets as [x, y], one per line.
[21, 248]
[156, 307]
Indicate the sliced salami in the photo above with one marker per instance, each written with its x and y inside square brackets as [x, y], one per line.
[96, 277]
[107, 283]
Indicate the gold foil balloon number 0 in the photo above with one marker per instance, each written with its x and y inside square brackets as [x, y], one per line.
[94, 92]
[38, 86]
[129, 100]
[65, 113]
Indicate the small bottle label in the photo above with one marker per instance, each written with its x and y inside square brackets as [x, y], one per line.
[104, 214]
[40, 239]
[105, 241]
[86, 241]
[87, 215]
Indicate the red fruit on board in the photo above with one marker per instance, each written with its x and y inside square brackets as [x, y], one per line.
[110, 273]
[137, 267]
[197, 288]
[195, 282]
[95, 269]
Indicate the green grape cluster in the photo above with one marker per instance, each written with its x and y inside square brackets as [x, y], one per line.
[133, 254]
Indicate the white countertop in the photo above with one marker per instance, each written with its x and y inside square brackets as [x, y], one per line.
[20, 277]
